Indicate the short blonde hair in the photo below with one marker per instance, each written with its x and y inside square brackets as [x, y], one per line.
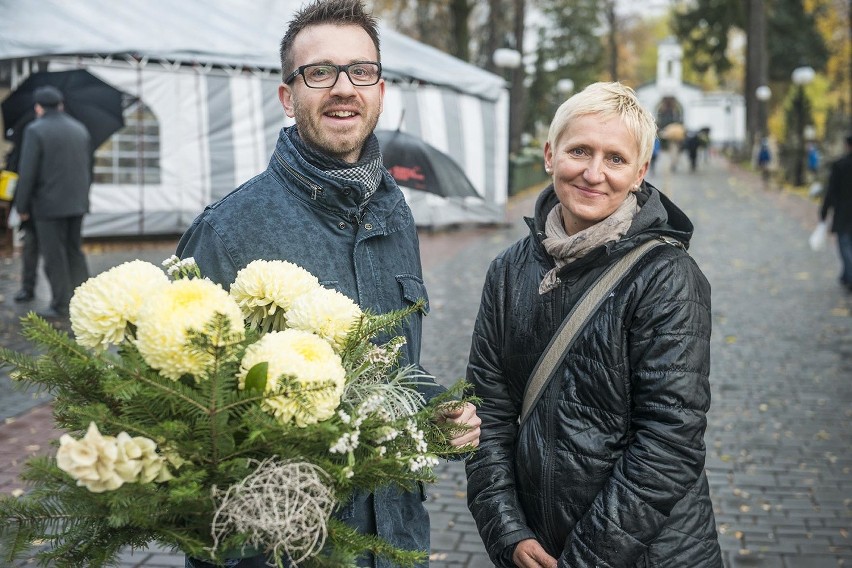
[608, 100]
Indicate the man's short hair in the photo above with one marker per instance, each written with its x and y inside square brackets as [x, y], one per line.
[338, 12]
[48, 96]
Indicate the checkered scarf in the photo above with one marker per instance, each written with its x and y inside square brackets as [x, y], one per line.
[366, 171]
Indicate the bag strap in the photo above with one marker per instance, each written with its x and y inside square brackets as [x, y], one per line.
[575, 321]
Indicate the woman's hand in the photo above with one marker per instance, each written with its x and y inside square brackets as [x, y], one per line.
[529, 554]
[463, 416]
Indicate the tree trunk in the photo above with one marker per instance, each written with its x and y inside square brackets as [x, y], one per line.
[756, 73]
[459, 16]
[612, 21]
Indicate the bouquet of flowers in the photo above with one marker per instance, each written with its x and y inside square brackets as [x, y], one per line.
[222, 424]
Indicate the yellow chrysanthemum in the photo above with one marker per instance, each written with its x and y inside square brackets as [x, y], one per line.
[265, 290]
[102, 306]
[328, 313]
[310, 361]
[161, 333]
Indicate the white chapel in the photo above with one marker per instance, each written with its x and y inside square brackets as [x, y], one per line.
[672, 100]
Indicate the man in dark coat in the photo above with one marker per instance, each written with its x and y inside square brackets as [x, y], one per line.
[838, 199]
[53, 190]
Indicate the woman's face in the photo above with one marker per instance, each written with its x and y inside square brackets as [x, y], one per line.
[594, 163]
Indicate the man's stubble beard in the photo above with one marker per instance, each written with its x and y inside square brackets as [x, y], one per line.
[334, 146]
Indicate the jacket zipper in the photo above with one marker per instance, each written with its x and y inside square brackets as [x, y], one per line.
[315, 189]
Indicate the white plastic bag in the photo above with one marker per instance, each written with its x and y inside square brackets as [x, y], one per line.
[818, 236]
[816, 189]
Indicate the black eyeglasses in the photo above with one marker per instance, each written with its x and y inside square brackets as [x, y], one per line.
[325, 75]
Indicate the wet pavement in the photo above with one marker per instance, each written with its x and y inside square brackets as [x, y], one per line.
[778, 435]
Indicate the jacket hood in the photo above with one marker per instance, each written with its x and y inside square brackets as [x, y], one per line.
[658, 216]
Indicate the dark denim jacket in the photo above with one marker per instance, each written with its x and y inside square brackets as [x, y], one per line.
[294, 211]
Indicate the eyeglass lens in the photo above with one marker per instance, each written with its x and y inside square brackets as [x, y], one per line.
[362, 74]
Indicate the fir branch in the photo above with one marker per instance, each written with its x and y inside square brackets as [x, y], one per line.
[358, 543]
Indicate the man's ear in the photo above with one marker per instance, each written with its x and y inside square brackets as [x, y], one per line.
[285, 95]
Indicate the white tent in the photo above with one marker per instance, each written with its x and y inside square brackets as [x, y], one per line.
[207, 73]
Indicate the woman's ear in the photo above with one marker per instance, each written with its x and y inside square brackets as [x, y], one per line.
[548, 158]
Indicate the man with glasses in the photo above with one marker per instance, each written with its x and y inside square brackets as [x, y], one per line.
[326, 202]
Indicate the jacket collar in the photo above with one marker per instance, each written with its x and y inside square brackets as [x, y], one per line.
[386, 208]
[658, 216]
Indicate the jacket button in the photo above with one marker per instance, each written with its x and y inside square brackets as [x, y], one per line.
[346, 191]
[369, 226]
[341, 225]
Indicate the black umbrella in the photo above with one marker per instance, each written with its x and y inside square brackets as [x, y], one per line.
[417, 165]
[98, 105]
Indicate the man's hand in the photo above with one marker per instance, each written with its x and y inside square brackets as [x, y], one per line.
[462, 415]
[529, 554]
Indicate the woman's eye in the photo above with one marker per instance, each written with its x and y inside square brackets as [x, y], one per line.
[576, 151]
[617, 160]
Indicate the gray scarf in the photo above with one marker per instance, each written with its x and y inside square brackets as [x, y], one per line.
[565, 248]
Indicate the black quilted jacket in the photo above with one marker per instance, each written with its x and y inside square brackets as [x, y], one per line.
[608, 470]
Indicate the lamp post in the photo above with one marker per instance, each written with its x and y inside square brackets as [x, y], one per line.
[763, 94]
[801, 76]
[510, 59]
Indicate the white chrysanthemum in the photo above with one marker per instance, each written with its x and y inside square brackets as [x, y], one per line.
[328, 313]
[310, 361]
[265, 290]
[161, 333]
[105, 463]
[102, 306]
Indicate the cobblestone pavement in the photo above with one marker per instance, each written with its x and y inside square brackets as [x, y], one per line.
[778, 437]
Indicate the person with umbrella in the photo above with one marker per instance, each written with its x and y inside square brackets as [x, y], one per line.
[53, 190]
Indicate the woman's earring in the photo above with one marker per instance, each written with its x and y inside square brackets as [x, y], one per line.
[547, 169]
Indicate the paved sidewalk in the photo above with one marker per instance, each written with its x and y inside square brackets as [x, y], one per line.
[778, 439]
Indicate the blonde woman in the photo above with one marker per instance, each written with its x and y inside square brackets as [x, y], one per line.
[608, 470]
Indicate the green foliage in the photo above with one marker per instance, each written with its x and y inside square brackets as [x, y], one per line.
[569, 46]
[793, 39]
[209, 431]
[703, 27]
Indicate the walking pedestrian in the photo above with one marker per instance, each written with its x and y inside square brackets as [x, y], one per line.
[764, 159]
[814, 160]
[607, 467]
[29, 250]
[838, 201]
[326, 203]
[53, 191]
[655, 154]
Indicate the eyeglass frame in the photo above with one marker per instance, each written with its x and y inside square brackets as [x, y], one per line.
[300, 70]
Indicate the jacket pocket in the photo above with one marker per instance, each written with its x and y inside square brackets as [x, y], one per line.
[413, 289]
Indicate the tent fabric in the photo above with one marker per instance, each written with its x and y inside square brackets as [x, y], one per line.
[218, 125]
[220, 32]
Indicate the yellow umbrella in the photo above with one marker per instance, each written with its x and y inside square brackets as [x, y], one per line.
[674, 132]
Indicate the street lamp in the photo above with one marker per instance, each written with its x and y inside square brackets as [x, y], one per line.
[763, 94]
[801, 76]
[506, 58]
[564, 87]
[510, 59]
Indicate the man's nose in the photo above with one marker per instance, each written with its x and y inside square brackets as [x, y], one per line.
[343, 85]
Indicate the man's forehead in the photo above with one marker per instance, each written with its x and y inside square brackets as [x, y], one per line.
[327, 42]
